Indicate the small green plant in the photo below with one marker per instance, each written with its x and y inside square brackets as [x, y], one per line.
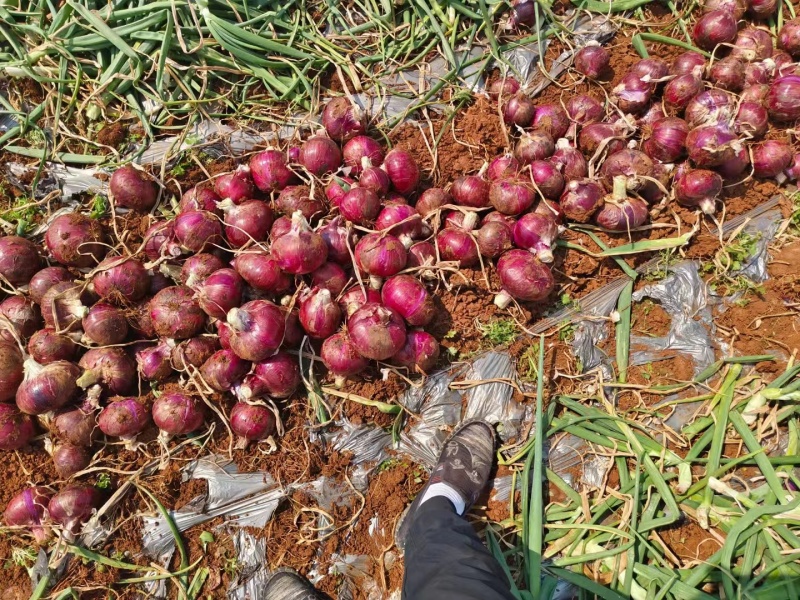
[99, 207]
[23, 213]
[103, 481]
[666, 259]
[388, 464]
[231, 567]
[567, 331]
[450, 334]
[499, 331]
[206, 538]
[529, 363]
[794, 219]
[20, 557]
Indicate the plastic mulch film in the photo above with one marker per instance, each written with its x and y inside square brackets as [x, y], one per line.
[367, 443]
[253, 574]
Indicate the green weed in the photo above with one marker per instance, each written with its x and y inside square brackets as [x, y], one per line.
[499, 331]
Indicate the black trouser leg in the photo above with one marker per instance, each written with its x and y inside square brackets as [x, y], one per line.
[445, 560]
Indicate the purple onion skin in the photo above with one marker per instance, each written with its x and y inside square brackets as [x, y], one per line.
[281, 226]
[501, 167]
[547, 178]
[69, 459]
[536, 145]
[338, 238]
[458, 245]
[570, 162]
[734, 169]
[269, 171]
[688, 63]
[178, 414]
[709, 108]
[105, 325]
[124, 417]
[789, 37]
[752, 44]
[319, 315]
[111, 367]
[432, 200]
[584, 109]
[455, 219]
[407, 296]
[200, 199]
[133, 188]
[783, 100]
[763, 9]
[19, 317]
[680, 91]
[62, 306]
[652, 115]
[622, 216]
[553, 119]
[49, 389]
[73, 506]
[337, 188]
[536, 232]
[632, 94]
[27, 509]
[198, 231]
[518, 110]
[320, 155]
[262, 273]
[419, 353]
[75, 241]
[380, 255]
[667, 141]
[45, 279]
[176, 314]
[752, 120]
[714, 28]
[524, 277]
[331, 277]
[342, 119]
[711, 146]
[354, 298]
[154, 362]
[735, 7]
[493, 239]
[650, 70]
[121, 279]
[523, 14]
[792, 172]
[300, 251]
[471, 190]
[698, 188]
[375, 179]
[596, 135]
[159, 240]
[236, 185]
[257, 330]
[293, 334]
[198, 267]
[421, 254]
[249, 221]
[76, 425]
[300, 197]
[756, 74]
[377, 332]
[360, 205]
[581, 199]
[19, 259]
[771, 158]
[220, 292]
[359, 147]
[401, 220]
[402, 170]
[511, 197]
[16, 428]
[635, 165]
[158, 282]
[277, 376]
[252, 422]
[727, 74]
[194, 352]
[504, 87]
[223, 370]
[45, 347]
[592, 61]
[341, 357]
[756, 93]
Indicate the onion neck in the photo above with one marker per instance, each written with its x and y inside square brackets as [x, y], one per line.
[238, 319]
[502, 300]
[89, 378]
[375, 282]
[619, 191]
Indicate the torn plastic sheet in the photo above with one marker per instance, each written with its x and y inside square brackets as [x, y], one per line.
[590, 331]
[253, 575]
[367, 443]
[764, 226]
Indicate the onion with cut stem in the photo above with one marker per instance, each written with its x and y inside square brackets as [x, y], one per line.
[63, 306]
[569, 160]
[343, 119]
[407, 296]
[257, 330]
[252, 422]
[360, 206]
[377, 332]
[197, 231]
[246, 222]
[380, 255]
[494, 238]
[193, 352]
[196, 268]
[320, 155]
[28, 509]
[752, 44]
[236, 186]
[47, 387]
[301, 250]
[223, 370]
[45, 346]
[592, 60]
[524, 277]
[356, 297]
[73, 506]
[458, 245]
[534, 145]
[220, 292]
[584, 109]
[699, 188]
[771, 158]
[262, 273]
[319, 315]
[277, 377]
[402, 221]
[331, 277]
[120, 279]
[709, 108]
[341, 358]
[619, 211]
[536, 232]
[200, 199]
[361, 147]
[105, 325]
[511, 196]
[420, 352]
[112, 368]
[154, 362]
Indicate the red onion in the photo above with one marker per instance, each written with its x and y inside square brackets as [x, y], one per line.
[681, 90]
[281, 226]
[46, 346]
[756, 93]
[75, 240]
[120, 280]
[154, 362]
[105, 325]
[511, 196]
[111, 367]
[375, 179]
[402, 170]
[337, 188]
[19, 260]
[471, 190]
[735, 7]
[756, 74]
[224, 333]
[536, 232]
[223, 369]
[359, 147]
[752, 120]
[727, 74]
[752, 44]
[200, 199]
[762, 9]
[69, 459]
[220, 292]
[652, 115]
[458, 245]
[193, 352]
[711, 146]
[584, 109]
[257, 330]
[342, 358]
[76, 425]
[11, 370]
[355, 298]
[547, 178]
[319, 315]
[455, 219]
[45, 279]
[158, 282]
[709, 108]
[546, 207]
[505, 87]
[124, 418]
[636, 166]
[198, 267]
[27, 509]
[47, 387]
[771, 158]
[73, 506]
[158, 240]
[380, 255]
[518, 110]
[140, 323]
[343, 119]
[360, 205]
[301, 250]
[714, 28]
[732, 169]
[581, 199]
[402, 221]
[277, 377]
[619, 212]
[19, 318]
[792, 172]
[16, 428]
[178, 414]
[632, 94]
[197, 230]
[493, 239]
[667, 141]
[262, 273]
[600, 135]
[650, 70]
[248, 221]
[421, 254]
[236, 185]
[252, 422]
[698, 188]
[337, 239]
[62, 306]
[320, 155]
[535, 145]
[331, 277]
[789, 37]
[133, 188]
[688, 63]
[377, 332]
[523, 13]
[569, 161]
[523, 277]
[432, 200]
[407, 296]
[420, 352]
[592, 60]
[652, 192]
[300, 197]
[500, 167]
[176, 314]
[783, 100]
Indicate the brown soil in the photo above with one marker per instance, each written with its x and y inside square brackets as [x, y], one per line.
[689, 542]
[113, 134]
